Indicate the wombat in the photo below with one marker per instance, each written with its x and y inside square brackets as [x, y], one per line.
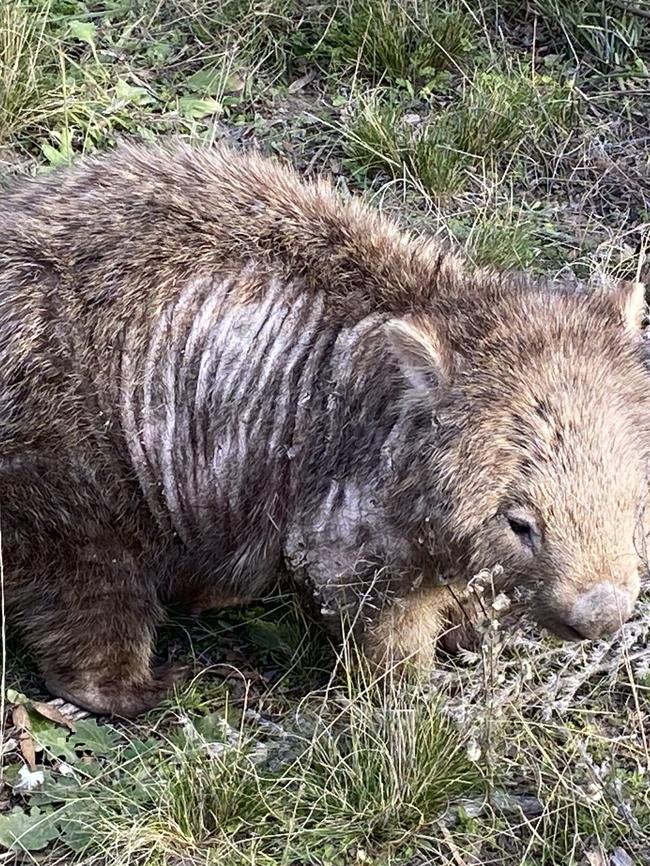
[215, 376]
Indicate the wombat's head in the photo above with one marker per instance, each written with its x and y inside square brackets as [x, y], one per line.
[539, 445]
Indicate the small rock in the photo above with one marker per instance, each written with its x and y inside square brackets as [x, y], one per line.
[620, 857]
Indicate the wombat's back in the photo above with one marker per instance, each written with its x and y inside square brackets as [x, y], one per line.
[127, 227]
[89, 250]
[109, 271]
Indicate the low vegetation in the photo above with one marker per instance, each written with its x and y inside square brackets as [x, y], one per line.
[517, 130]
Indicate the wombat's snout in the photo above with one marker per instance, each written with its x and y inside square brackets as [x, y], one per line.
[598, 612]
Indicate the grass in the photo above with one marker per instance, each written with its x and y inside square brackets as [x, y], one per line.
[517, 131]
[29, 91]
[494, 117]
[605, 35]
[357, 764]
[401, 42]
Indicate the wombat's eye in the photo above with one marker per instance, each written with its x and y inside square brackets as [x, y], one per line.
[524, 527]
[520, 528]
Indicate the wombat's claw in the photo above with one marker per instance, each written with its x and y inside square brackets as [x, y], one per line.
[69, 710]
[140, 698]
[460, 636]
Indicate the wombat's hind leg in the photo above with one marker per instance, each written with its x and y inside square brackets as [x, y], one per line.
[118, 697]
[93, 635]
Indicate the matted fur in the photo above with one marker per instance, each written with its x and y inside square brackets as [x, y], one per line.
[214, 375]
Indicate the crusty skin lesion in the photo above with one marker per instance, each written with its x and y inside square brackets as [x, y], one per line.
[213, 374]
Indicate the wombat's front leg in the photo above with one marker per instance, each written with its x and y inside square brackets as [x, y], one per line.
[93, 634]
[461, 621]
[409, 629]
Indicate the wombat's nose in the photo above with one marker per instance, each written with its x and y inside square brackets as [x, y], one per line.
[600, 611]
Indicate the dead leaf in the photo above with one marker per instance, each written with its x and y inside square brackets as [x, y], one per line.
[21, 720]
[54, 715]
[596, 858]
[9, 745]
[301, 82]
[27, 750]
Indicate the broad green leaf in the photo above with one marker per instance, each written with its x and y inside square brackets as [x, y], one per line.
[101, 740]
[208, 81]
[267, 635]
[84, 31]
[56, 790]
[14, 697]
[62, 154]
[158, 52]
[20, 831]
[194, 108]
[211, 727]
[53, 739]
[140, 749]
[78, 826]
[125, 92]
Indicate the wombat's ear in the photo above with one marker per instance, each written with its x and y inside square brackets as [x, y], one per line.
[423, 356]
[629, 297]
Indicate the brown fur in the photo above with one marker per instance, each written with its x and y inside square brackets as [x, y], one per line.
[511, 396]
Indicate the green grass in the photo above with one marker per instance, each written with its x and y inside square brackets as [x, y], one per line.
[30, 93]
[360, 764]
[517, 131]
[502, 239]
[399, 41]
[604, 34]
[497, 118]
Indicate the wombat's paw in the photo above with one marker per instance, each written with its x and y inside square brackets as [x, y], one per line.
[70, 711]
[171, 674]
[115, 698]
[457, 636]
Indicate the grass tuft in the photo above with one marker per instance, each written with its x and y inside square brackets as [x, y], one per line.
[402, 41]
[29, 89]
[228, 787]
[497, 116]
[610, 36]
